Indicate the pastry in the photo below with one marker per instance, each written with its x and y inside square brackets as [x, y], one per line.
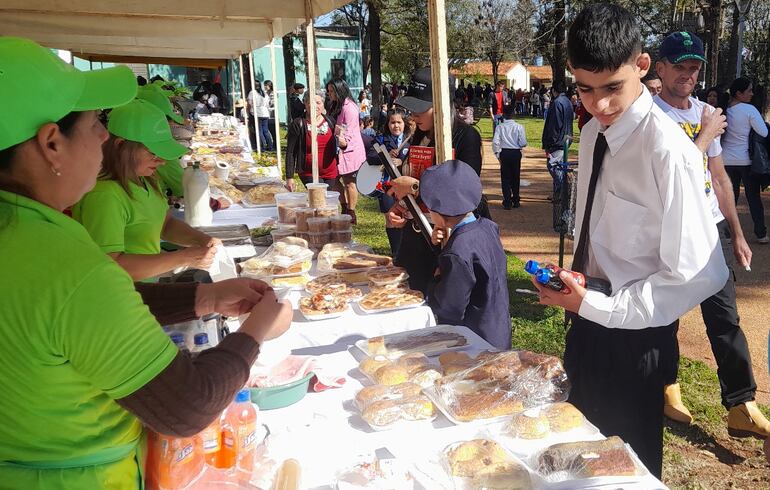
[230, 191]
[386, 412]
[371, 394]
[263, 194]
[486, 465]
[391, 374]
[376, 346]
[584, 459]
[453, 358]
[425, 342]
[413, 362]
[563, 417]
[426, 377]
[341, 291]
[370, 365]
[383, 276]
[361, 260]
[484, 404]
[322, 304]
[324, 281]
[357, 277]
[377, 302]
[291, 281]
[532, 424]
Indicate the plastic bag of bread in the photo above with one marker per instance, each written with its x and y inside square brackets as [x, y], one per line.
[287, 257]
[218, 186]
[427, 341]
[484, 464]
[349, 258]
[414, 367]
[499, 384]
[383, 414]
[375, 393]
[609, 457]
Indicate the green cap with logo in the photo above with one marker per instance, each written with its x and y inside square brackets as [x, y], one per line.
[40, 88]
[142, 122]
[157, 97]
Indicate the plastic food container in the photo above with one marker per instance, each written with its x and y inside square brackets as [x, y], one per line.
[332, 198]
[342, 236]
[318, 239]
[287, 203]
[282, 232]
[303, 235]
[317, 195]
[316, 225]
[303, 214]
[281, 396]
[327, 211]
[341, 222]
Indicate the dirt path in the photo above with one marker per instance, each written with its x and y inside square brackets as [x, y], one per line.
[527, 233]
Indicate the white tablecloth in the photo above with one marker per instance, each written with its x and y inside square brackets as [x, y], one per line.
[326, 434]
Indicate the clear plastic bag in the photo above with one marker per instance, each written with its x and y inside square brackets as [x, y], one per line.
[286, 257]
[384, 414]
[500, 384]
[263, 194]
[484, 464]
[348, 258]
[427, 341]
[606, 458]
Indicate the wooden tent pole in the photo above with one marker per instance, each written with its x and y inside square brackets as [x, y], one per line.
[439, 63]
[245, 109]
[231, 70]
[311, 85]
[276, 105]
[257, 130]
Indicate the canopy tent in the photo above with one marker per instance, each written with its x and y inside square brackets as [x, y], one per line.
[213, 29]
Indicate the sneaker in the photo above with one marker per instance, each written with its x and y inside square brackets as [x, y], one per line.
[764, 240]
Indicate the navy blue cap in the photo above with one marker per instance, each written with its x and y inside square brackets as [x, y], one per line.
[451, 189]
[680, 46]
[419, 97]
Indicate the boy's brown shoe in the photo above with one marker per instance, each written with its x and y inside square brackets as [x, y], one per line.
[745, 420]
[673, 407]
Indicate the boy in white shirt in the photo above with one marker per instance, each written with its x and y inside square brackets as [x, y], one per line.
[507, 143]
[681, 58]
[643, 225]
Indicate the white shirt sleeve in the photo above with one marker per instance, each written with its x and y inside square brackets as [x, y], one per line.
[693, 267]
[496, 141]
[757, 123]
[521, 136]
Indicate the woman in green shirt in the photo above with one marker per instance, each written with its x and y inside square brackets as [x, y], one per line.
[84, 363]
[126, 213]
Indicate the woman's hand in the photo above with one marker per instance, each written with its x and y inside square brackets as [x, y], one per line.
[342, 142]
[200, 257]
[290, 184]
[403, 186]
[269, 318]
[210, 241]
[231, 297]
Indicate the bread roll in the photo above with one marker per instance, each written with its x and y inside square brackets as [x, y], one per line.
[370, 365]
[426, 377]
[371, 394]
[531, 424]
[563, 417]
[391, 374]
[386, 412]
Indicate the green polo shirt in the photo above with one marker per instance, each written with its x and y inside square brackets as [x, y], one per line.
[74, 337]
[118, 222]
[171, 174]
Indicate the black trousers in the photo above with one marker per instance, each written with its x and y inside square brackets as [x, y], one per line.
[751, 185]
[510, 174]
[728, 343]
[417, 256]
[618, 377]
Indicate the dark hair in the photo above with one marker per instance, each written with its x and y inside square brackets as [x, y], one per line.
[558, 86]
[268, 82]
[397, 112]
[759, 98]
[257, 87]
[342, 91]
[603, 37]
[740, 84]
[509, 111]
[298, 86]
[66, 126]
[721, 97]
[141, 81]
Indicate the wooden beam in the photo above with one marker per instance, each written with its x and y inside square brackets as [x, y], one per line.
[276, 105]
[439, 62]
[311, 85]
[210, 63]
[257, 130]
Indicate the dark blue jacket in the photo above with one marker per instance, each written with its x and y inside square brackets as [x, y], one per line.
[390, 142]
[472, 288]
[558, 124]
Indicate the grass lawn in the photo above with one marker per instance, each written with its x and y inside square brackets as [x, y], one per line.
[533, 127]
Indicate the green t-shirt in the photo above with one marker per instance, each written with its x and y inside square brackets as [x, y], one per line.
[171, 174]
[74, 337]
[118, 222]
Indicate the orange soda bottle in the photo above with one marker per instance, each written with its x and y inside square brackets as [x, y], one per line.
[239, 434]
[211, 438]
[177, 461]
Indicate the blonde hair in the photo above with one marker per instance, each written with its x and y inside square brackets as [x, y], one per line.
[119, 163]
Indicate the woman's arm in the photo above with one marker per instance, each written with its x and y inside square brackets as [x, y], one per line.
[141, 267]
[757, 123]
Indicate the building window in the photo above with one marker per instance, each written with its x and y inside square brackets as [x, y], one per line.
[338, 68]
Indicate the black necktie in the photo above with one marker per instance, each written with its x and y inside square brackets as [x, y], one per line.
[579, 259]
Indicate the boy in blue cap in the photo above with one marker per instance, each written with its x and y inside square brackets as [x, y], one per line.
[470, 285]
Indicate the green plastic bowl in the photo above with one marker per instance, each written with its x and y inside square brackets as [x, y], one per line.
[281, 396]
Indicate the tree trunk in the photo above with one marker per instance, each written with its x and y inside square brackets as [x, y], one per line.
[732, 58]
[714, 26]
[558, 63]
[289, 72]
[376, 55]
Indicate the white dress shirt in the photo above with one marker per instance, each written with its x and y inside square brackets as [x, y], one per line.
[509, 135]
[651, 231]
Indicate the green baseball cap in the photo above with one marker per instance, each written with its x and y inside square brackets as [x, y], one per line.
[41, 88]
[156, 96]
[144, 123]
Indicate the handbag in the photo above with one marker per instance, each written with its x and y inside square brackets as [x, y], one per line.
[760, 158]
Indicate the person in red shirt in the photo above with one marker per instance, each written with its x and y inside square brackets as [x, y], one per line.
[498, 100]
[298, 152]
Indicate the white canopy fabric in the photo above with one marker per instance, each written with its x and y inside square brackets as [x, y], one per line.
[168, 28]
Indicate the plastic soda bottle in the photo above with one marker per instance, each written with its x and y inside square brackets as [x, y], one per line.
[211, 439]
[239, 434]
[178, 339]
[175, 461]
[201, 342]
[548, 276]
